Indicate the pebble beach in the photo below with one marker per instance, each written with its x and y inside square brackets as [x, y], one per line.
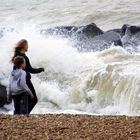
[66, 126]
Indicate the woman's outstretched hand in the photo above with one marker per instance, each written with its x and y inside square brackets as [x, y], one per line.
[41, 69]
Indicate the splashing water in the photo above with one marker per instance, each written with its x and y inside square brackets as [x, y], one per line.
[105, 83]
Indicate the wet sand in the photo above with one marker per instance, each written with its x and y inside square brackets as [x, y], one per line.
[65, 127]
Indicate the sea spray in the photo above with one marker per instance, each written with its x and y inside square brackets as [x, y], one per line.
[105, 82]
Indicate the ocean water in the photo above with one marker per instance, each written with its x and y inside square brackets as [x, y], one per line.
[103, 82]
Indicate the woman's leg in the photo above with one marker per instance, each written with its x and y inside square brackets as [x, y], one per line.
[31, 102]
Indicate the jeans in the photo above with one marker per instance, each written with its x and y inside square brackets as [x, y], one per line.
[20, 103]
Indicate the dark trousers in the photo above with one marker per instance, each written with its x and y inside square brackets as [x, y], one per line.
[31, 102]
[20, 103]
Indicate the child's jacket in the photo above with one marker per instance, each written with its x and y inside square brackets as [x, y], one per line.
[17, 83]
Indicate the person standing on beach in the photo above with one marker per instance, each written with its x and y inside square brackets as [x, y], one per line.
[20, 50]
[18, 89]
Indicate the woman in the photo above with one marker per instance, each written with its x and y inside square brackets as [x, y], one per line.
[20, 50]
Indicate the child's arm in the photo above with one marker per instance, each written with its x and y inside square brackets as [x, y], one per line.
[24, 85]
[9, 100]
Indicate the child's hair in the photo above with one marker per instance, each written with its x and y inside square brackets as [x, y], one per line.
[18, 60]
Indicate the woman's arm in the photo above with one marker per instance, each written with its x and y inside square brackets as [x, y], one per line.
[30, 69]
[24, 85]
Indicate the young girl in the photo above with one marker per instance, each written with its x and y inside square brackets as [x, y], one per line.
[18, 89]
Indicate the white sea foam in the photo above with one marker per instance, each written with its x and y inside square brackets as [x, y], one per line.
[106, 82]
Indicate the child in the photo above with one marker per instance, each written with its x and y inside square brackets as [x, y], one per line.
[18, 89]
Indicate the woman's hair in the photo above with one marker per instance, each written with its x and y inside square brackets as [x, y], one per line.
[18, 60]
[19, 46]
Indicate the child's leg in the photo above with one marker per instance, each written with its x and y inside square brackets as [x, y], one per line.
[16, 99]
[24, 103]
